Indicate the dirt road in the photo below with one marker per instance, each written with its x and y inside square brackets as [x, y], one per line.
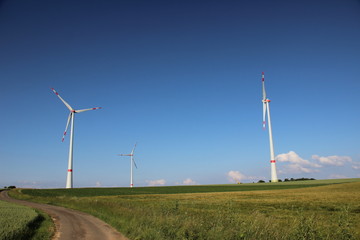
[71, 224]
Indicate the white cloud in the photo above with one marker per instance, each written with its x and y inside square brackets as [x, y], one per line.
[293, 163]
[296, 168]
[159, 182]
[332, 160]
[37, 184]
[236, 176]
[189, 181]
[296, 164]
[28, 184]
[333, 176]
[294, 158]
[356, 165]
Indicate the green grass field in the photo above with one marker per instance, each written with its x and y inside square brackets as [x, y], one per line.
[17, 222]
[93, 192]
[320, 209]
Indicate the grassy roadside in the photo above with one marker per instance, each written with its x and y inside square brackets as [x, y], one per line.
[329, 211]
[45, 229]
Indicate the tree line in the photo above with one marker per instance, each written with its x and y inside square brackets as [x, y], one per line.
[290, 180]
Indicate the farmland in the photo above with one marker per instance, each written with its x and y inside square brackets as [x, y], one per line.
[19, 222]
[328, 209]
[94, 192]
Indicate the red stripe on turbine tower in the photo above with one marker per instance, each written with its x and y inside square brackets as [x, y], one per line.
[272, 161]
[69, 170]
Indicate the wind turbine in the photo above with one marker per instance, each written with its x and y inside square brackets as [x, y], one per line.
[69, 179]
[132, 162]
[266, 107]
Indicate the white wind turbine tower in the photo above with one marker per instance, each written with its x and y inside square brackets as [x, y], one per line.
[266, 107]
[69, 179]
[132, 162]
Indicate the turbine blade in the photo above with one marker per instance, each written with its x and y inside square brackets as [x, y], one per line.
[67, 125]
[263, 86]
[125, 155]
[132, 152]
[66, 104]
[134, 162]
[264, 114]
[88, 109]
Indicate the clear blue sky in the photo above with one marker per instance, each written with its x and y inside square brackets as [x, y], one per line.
[183, 79]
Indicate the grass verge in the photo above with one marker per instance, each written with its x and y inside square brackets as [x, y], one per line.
[44, 229]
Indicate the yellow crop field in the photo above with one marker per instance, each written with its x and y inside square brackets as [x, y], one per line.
[322, 212]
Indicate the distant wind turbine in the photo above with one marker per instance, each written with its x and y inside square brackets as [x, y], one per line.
[266, 107]
[69, 179]
[132, 162]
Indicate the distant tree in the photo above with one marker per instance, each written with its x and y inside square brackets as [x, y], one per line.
[304, 179]
[298, 179]
[11, 187]
[261, 181]
[279, 180]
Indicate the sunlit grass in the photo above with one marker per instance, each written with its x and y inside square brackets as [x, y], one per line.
[21, 222]
[330, 209]
[90, 192]
[16, 221]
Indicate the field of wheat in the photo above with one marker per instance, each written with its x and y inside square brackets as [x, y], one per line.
[16, 221]
[329, 211]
